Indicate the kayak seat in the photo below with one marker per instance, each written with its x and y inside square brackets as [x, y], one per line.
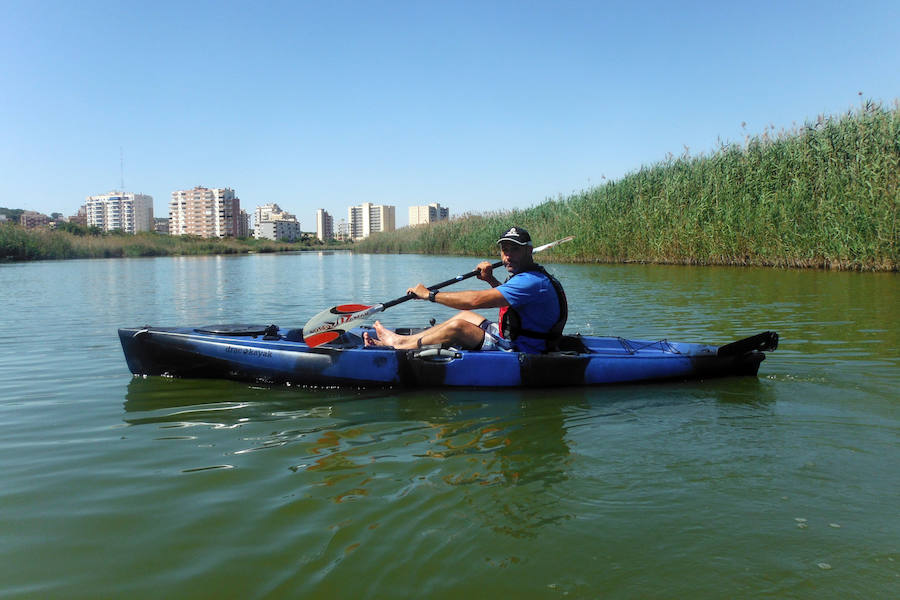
[570, 344]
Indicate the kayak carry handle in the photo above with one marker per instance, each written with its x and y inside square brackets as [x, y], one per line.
[761, 342]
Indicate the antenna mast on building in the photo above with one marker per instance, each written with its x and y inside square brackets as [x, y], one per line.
[122, 168]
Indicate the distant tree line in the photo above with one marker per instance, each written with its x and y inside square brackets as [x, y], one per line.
[70, 240]
[12, 214]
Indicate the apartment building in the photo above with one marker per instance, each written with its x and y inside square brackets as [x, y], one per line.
[243, 224]
[368, 218]
[31, 219]
[271, 212]
[419, 215]
[288, 231]
[272, 223]
[205, 212]
[342, 231]
[324, 225]
[80, 218]
[125, 211]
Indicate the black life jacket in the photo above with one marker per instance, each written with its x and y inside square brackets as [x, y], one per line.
[511, 321]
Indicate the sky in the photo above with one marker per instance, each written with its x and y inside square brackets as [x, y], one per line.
[479, 106]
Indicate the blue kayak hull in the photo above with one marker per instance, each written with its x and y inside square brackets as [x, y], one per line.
[274, 355]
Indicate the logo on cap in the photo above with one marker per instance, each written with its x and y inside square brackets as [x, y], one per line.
[517, 235]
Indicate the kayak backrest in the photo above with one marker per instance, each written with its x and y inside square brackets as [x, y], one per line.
[572, 343]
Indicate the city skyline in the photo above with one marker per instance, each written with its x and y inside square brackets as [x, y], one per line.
[117, 210]
[472, 106]
[254, 217]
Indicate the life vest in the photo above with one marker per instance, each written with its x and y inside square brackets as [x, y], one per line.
[511, 321]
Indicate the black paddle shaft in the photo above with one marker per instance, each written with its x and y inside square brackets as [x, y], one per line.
[438, 286]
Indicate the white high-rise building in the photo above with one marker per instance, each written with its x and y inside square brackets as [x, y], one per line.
[120, 210]
[419, 215]
[285, 230]
[368, 218]
[270, 222]
[324, 225]
[271, 212]
[343, 230]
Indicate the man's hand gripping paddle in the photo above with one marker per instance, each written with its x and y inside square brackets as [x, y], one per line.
[329, 324]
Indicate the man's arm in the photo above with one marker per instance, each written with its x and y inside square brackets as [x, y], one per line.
[465, 300]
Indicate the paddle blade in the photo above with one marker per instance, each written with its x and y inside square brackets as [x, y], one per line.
[317, 339]
[552, 244]
[329, 324]
[346, 309]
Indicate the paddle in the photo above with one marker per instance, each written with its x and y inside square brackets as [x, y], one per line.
[329, 324]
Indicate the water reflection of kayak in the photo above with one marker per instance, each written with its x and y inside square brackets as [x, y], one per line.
[275, 355]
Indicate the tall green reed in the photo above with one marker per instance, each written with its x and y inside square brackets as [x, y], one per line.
[825, 194]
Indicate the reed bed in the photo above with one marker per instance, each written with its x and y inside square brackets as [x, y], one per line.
[823, 195]
[18, 244]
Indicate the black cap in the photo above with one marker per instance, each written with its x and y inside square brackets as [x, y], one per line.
[516, 235]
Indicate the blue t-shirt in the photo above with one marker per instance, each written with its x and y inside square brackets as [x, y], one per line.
[532, 295]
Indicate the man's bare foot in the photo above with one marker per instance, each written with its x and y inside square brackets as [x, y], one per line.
[386, 337]
[369, 341]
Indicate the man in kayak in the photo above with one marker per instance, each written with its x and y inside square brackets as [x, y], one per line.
[532, 305]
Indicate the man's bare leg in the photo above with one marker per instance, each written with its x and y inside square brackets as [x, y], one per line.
[460, 330]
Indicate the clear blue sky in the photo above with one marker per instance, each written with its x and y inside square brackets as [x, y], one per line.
[479, 106]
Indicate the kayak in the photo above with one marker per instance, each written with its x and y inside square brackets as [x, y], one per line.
[270, 354]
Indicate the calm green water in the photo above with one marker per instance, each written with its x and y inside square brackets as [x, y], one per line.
[781, 486]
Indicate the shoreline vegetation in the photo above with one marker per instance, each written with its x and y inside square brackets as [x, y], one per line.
[73, 241]
[824, 195]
